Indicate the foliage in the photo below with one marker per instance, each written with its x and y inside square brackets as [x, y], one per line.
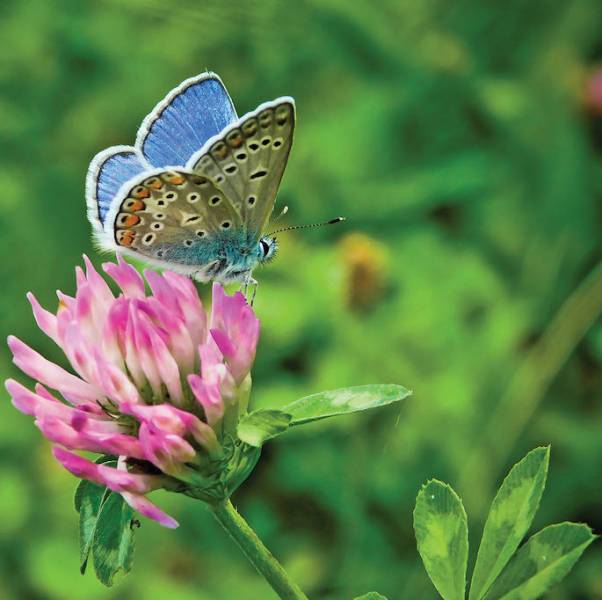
[442, 536]
[454, 138]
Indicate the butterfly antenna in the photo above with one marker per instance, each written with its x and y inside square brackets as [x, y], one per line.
[331, 222]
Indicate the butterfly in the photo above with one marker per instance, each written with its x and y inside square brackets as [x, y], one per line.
[198, 187]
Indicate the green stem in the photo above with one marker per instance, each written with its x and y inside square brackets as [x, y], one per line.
[259, 556]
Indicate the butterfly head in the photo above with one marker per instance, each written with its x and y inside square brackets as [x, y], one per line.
[266, 249]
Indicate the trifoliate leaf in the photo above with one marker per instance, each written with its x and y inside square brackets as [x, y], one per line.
[442, 538]
[542, 562]
[344, 401]
[510, 516]
[113, 544]
[88, 501]
[89, 498]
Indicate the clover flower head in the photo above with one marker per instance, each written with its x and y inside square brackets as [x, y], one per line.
[156, 382]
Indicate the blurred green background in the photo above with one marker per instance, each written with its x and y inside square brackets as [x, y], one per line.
[460, 141]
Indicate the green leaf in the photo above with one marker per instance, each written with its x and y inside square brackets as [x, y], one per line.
[344, 401]
[510, 516]
[371, 596]
[88, 500]
[442, 537]
[113, 544]
[261, 425]
[542, 562]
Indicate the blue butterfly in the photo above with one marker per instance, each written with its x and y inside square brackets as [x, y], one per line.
[197, 189]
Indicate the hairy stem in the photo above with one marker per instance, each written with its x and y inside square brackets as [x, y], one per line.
[259, 556]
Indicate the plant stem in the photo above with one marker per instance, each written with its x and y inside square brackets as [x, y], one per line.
[259, 556]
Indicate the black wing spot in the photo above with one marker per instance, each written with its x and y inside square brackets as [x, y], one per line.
[160, 202]
[219, 178]
[254, 147]
[251, 200]
[231, 169]
[226, 225]
[201, 233]
[277, 143]
[215, 200]
[266, 141]
[188, 243]
[258, 174]
[241, 156]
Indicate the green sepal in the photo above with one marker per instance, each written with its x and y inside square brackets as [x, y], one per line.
[259, 426]
[344, 401]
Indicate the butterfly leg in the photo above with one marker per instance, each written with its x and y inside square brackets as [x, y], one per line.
[255, 285]
[244, 288]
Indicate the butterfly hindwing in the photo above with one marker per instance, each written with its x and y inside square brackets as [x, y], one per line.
[172, 216]
[184, 120]
[107, 172]
[248, 159]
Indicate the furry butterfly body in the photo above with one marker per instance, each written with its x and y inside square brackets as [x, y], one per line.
[198, 188]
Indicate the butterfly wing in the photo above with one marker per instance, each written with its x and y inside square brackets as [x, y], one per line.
[247, 160]
[172, 218]
[107, 172]
[184, 120]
